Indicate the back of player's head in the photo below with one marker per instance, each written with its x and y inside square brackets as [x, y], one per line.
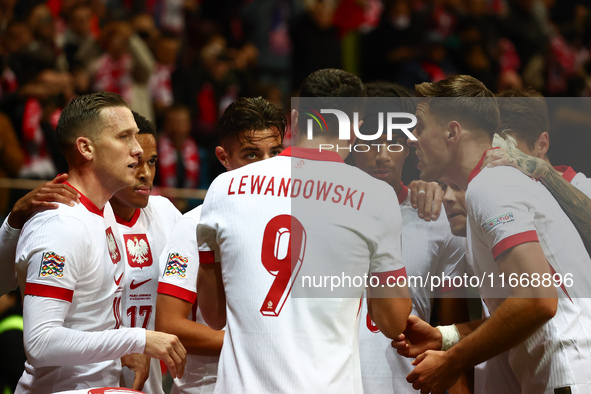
[247, 115]
[332, 82]
[143, 124]
[83, 117]
[524, 114]
[331, 88]
[464, 98]
[384, 96]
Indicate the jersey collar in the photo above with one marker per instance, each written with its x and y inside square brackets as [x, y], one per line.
[402, 194]
[87, 203]
[567, 172]
[132, 222]
[311, 154]
[476, 169]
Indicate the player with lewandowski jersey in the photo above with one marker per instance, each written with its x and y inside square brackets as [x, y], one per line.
[250, 130]
[259, 236]
[515, 227]
[145, 223]
[427, 247]
[71, 262]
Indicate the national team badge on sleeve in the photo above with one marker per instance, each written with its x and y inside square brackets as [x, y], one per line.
[138, 250]
[113, 247]
[176, 265]
[52, 264]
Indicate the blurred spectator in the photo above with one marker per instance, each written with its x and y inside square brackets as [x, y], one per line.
[125, 67]
[178, 155]
[34, 111]
[78, 33]
[6, 13]
[11, 158]
[43, 27]
[166, 52]
[315, 39]
[266, 25]
[392, 45]
[12, 362]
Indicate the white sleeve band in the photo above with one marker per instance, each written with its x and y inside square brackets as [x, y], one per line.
[48, 343]
[449, 336]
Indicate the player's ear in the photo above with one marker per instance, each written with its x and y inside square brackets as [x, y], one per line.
[222, 156]
[542, 144]
[294, 122]
[85, 147]
[453, 131]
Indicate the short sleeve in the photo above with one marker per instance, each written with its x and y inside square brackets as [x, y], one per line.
[498, 206]
[209, 251]
[386, 259]
[179, 262]
[53, 251]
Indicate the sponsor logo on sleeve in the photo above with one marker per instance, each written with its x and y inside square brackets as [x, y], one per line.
[176, 265]
[52, 264]
[138, 250]
[496, 221]
[113, 247]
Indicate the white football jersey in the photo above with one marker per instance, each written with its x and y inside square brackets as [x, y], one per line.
[71, 255]
[505, 209]
[426, 247]
[178, 268]
[287, 329]
[144, 238]
[577, 179]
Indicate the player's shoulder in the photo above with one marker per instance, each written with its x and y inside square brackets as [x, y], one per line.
[64, 215]
[499, 180]
[194, 214]
[160, 202]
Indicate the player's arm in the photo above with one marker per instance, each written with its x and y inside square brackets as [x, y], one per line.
[390, 314]
[452, 311]
[172, 317]
[49, 343]
[388, 304]
[212, 296]
[574, 202]
[517, 318]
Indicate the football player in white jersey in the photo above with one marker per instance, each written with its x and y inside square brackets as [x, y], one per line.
[145, 223]
[250, 130]
[70, 261]
[427, 247]
[529, 235]
[524, 116]
[254, 218]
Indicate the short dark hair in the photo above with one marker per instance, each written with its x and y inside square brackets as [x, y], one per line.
[143, 124]
[330, 88]
[465, 98]
[524, 114]
[82, 116]
[332, 82]
[246, 115]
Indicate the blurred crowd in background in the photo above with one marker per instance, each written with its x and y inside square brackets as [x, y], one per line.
[180, 63]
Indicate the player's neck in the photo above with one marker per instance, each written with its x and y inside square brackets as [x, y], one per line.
[90, 186]
[122, 210]
[466, 159]
[325, 144]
